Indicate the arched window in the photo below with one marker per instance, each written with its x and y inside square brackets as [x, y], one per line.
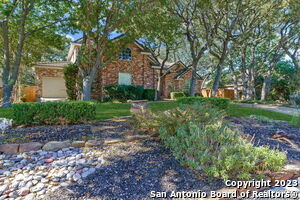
[125, 54]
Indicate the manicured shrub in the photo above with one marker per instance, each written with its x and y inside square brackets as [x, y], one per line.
[124, 92]
[50, 113]
[221, 103]
[175, 95]
[149, 94]
[200, 139]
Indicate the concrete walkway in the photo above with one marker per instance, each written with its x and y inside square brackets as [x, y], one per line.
[276, 108]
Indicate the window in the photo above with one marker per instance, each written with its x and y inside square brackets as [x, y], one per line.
[125, 54]
[125, 79]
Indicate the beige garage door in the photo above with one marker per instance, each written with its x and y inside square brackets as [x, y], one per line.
[54, 88]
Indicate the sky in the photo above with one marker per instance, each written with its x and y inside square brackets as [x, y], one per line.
[79, 35]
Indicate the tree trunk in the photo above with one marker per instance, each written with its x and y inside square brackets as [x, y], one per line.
[87, 88]
[6, 95]
[266, 88]
[236, 87]
[193, 81]
[217, 81]
[249, 86]
[158, 89]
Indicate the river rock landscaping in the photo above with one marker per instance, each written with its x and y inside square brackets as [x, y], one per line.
[31, 175]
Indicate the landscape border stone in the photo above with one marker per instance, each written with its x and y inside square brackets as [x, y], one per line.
[57, 145]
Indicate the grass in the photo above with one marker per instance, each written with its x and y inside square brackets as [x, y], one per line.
[162, 105]
[111, 110]
[240, 111]
[233, 110]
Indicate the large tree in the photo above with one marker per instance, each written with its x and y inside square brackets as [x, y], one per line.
[188, 12]
[21, 20]
[97, 20]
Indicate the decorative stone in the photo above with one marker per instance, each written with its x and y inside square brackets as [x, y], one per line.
[94, 143]
[76, 177]
[56, 145]
[24, 191]
[5, 123]
[78, 144]
[9, 148]
[19, 177]
[48, 160]
[30, 196]
[3, 188]
[37, 188]
[31, 146]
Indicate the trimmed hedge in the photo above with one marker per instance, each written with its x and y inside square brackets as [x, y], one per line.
[124, 92]
[149, 94]
[175, 95]
[221, 103]
[52, 113]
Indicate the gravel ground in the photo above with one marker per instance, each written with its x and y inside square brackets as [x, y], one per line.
[133, 171]
[262, 134]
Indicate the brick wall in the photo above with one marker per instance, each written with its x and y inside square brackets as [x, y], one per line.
[177, 85]
[139, 68]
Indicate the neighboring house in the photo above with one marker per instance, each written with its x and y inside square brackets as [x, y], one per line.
[135, 65]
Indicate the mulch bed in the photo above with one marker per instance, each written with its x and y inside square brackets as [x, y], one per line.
[263, 132]
[114, 129]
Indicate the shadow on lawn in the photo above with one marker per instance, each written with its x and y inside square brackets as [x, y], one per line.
[134, 176]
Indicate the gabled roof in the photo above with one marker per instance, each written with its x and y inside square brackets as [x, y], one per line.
[144, 49]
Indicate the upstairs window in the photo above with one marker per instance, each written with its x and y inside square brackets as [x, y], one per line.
[125, 54]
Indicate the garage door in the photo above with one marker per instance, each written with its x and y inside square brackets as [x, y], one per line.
[54, 88]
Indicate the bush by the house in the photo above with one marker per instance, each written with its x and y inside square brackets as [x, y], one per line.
[199, 138]
[149, 94]
[73, 81]
[50, 113]
[175, 95]
[124, 92]
[221, 103]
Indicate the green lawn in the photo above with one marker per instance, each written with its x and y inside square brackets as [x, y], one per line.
[233, 110]
[241, 111]
[111, 110]
[162, 105]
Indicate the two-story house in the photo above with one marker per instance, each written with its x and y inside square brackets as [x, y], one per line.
[135, 65]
